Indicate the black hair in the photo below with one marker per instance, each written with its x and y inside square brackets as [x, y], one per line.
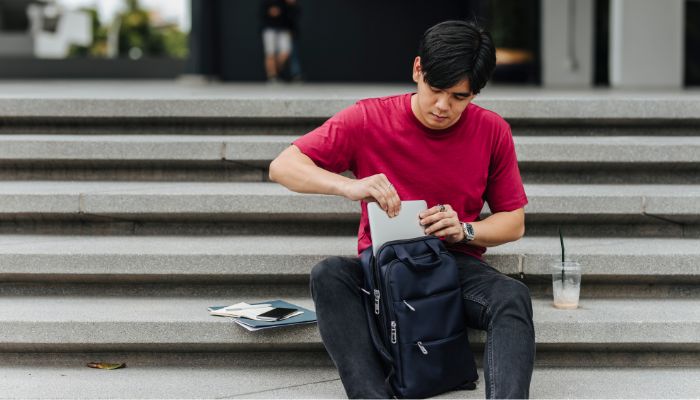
[454, 50]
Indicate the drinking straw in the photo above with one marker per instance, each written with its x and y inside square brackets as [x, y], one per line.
[561, 240]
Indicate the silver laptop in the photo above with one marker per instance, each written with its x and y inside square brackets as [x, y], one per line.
[406, 225]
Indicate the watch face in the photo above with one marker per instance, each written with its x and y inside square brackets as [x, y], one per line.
[470, 230]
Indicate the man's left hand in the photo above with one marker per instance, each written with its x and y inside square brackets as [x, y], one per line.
[442, 223]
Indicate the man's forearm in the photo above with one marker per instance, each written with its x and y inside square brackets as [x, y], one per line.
[499, 228]
[298, 173]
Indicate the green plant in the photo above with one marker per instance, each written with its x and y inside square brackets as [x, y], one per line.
[136, 30]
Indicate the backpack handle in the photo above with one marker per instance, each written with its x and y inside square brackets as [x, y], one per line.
[406, 258]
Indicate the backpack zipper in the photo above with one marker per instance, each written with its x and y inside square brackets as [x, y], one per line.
[422, 348]
[393, 332]
[377, 296]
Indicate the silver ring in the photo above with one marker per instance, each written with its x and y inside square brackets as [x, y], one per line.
[442, 207]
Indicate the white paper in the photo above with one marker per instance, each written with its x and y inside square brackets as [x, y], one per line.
[242, 310]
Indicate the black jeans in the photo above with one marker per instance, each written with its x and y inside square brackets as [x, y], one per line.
[494, 302]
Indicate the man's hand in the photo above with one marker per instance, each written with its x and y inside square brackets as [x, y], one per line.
[442, 223]
[374, 188]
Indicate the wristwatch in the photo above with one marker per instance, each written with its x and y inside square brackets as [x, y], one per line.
[468, 232]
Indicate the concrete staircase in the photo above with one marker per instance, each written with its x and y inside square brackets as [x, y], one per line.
[123, 216]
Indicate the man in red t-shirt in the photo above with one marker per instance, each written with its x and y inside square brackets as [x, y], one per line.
[432, 145]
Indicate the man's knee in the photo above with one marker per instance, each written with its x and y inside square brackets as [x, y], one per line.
[326, 269]
[513, 297]
[330, 274]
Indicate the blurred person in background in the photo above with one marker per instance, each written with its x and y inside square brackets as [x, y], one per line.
[277, 37]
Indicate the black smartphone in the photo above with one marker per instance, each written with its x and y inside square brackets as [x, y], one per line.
[277, 314]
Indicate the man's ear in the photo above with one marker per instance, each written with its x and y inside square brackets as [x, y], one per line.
[416, 69]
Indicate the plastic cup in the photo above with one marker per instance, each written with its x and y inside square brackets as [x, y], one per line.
[566, 284]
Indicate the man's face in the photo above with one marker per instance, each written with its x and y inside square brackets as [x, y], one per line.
[438, 108]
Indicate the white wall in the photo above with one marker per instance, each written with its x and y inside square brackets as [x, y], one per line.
[567, 43]
[646, 43]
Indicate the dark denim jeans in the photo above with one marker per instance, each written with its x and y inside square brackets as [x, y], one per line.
[494, 302]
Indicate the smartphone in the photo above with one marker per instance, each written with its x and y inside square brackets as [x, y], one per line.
[277, 314]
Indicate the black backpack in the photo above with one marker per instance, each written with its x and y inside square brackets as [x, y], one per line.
[416, 317]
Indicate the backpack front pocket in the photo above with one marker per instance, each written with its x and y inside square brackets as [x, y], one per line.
[430, 318]
[438, 365]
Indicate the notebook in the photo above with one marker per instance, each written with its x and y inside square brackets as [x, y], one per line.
[306, 317]
[406, 225]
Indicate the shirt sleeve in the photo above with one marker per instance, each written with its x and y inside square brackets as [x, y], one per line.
[331, 146]
[504, 188]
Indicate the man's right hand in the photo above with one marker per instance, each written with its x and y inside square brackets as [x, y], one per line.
[298, 173]
[374, 188]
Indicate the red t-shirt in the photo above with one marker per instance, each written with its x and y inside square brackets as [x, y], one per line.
[464, 165]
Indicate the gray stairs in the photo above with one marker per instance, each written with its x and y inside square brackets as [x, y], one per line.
[122, 218]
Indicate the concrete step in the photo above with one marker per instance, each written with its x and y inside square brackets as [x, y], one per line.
[262, 149]
[294, 126]
[112, 323]
[132, 157]
[245, 158]
[543, 159]
[604, 150]
[608, 160]
[282, 375]
[132, 148]
[163, 100]
[280, 259]
[172, 201]
[222, 171]
[241, 287]
[291, 375]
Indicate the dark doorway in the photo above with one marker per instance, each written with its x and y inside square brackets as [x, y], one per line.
[339, 40]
